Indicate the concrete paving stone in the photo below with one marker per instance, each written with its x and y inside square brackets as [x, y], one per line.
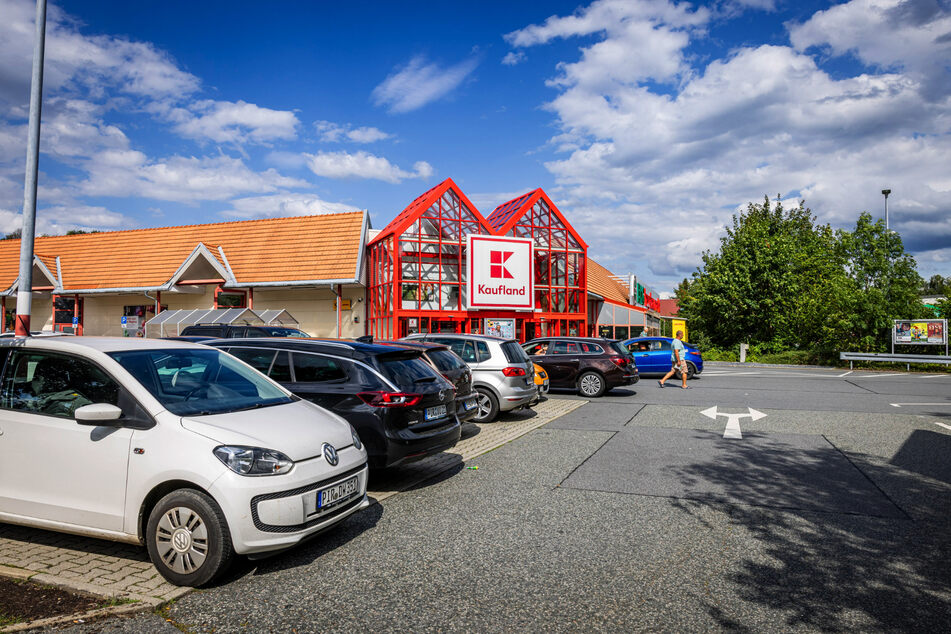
[596, 417]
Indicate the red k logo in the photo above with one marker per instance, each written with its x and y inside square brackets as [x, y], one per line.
[497, 268]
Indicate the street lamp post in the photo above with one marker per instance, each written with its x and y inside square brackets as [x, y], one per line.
[885, 193]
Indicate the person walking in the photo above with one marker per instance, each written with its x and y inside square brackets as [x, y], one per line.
[677, 361]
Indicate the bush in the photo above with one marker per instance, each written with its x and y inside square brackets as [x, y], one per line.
[716, 354]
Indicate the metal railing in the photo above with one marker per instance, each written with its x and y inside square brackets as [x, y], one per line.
[907, 359]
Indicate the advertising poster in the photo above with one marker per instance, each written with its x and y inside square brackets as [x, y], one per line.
[500, 272]
[504, 328]
[921, 332]
[678, 324]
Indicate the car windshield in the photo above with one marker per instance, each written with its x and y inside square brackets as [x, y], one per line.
[446, 360]
[405, 371]
[275, 331]
[200, 382]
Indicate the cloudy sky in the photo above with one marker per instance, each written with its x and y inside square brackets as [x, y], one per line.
[648, 122]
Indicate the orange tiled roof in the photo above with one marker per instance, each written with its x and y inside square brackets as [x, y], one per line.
[601, 283]
[325, 247]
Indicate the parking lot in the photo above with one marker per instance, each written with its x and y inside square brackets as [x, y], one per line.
[761, 499]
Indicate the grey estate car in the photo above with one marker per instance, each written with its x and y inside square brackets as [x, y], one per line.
[502, 373]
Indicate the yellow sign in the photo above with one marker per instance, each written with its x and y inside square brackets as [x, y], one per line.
[344, 304]
[678, 324]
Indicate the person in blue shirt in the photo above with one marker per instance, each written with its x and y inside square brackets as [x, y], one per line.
[677, 361]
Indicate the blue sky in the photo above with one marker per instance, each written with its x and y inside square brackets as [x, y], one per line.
[648, 122]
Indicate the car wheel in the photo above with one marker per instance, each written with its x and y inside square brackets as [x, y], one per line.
[691, 370]
[591, 384]
[488, 406]
[188, 539]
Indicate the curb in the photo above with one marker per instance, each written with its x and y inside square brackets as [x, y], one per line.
[141, 602]
[752, 364]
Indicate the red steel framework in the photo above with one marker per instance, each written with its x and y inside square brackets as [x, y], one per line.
[417, 267]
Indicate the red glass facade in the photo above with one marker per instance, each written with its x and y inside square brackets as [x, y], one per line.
[417, 267]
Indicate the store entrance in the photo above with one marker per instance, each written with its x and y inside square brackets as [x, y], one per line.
[68, 314]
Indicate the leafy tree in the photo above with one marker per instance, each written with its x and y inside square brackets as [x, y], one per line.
[13, 235]
[766, 284]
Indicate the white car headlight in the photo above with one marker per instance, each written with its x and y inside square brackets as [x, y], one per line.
[253, 461]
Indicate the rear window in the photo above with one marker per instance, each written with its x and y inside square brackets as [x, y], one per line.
[405, 371]
[616, 346]
[445, 360]
[513, 352]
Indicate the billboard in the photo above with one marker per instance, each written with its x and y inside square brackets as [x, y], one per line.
[504, 328]
[920, 332]
[678, 324]
[500, 272]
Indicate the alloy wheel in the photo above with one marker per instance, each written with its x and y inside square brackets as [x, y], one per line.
[590, 384]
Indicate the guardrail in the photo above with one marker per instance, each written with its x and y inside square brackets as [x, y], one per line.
[907, 359]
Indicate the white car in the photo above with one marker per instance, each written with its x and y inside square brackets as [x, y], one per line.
[174, 445]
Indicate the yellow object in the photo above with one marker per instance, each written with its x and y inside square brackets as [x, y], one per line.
[678, 324]
[540, 375]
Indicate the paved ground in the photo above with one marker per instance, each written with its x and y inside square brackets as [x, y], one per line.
[827, 509]
[120, 570]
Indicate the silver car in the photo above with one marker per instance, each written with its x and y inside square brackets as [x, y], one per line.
[502, 373]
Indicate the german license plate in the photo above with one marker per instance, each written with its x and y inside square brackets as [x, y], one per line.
[469, 403]
[435, 412]
[336, 494]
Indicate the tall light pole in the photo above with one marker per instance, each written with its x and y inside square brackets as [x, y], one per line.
[25, 283]
[885, 193]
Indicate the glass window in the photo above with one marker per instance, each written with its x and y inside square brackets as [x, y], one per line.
[660, 344]
[196, 382]
[406, 370]
[565, 347]
[513, 352]
[54, 385]
[445, 360]
[312, 368]
[537, 348]
[591, 348]
[464, 348]
[482, 351]
[281, 368]
[258, 358]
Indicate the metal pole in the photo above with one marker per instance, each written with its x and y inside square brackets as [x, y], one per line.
[25, 284]
[886, 192]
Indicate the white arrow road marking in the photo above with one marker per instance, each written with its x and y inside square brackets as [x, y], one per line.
[733, 420]
[939, 404]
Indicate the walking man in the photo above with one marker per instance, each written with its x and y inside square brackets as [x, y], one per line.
[677, 361]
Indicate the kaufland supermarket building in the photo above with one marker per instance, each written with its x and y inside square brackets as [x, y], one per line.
[439, 266]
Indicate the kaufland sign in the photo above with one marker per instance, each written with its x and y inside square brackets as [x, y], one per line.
[500, 272]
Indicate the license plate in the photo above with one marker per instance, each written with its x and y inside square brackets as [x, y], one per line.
[336, 494]
[435, 412]
[469, 404]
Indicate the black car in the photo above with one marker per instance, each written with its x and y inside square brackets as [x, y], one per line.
[226, 331]
[400, 406]
[587, 364]
[451, 366]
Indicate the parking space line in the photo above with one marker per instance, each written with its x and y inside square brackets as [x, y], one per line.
[948, 427]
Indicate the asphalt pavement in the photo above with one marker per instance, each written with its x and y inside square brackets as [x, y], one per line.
[825, 507]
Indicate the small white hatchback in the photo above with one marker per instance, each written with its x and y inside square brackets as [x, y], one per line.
[173, 445]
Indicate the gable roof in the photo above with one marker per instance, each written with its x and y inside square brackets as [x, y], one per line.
[601, 283]
[296, 250]
[506, 215]
[423, 202]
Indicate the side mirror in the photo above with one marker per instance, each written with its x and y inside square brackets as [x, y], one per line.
[98, 414]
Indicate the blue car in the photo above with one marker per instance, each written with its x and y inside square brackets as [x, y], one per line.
[652, 356]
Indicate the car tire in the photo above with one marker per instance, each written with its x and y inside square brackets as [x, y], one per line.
[488, 406]
[188, 539]
[591, 384]
[691, 370]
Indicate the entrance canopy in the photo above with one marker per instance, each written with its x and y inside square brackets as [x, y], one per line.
[277, 317]
[170, 322]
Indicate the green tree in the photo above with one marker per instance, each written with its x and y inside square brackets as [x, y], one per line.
[766, 284]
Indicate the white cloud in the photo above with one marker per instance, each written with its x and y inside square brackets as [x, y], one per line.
[513, 58]
[182, 179]
[334, 133]
[363, 165]
[60, 219]
[283, 204]
[419, 83]
[239, 122]
[675, 163]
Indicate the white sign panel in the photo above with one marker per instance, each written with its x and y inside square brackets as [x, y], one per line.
[500, 272]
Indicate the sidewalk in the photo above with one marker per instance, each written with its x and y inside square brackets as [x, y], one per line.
[123, 571]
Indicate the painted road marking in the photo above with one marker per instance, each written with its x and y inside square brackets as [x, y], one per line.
[733, 420]
[942, 425]
[846, 374]
[939, 404]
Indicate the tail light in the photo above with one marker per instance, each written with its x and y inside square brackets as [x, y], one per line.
[621, 362]
[389, 399]
[514, 371]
